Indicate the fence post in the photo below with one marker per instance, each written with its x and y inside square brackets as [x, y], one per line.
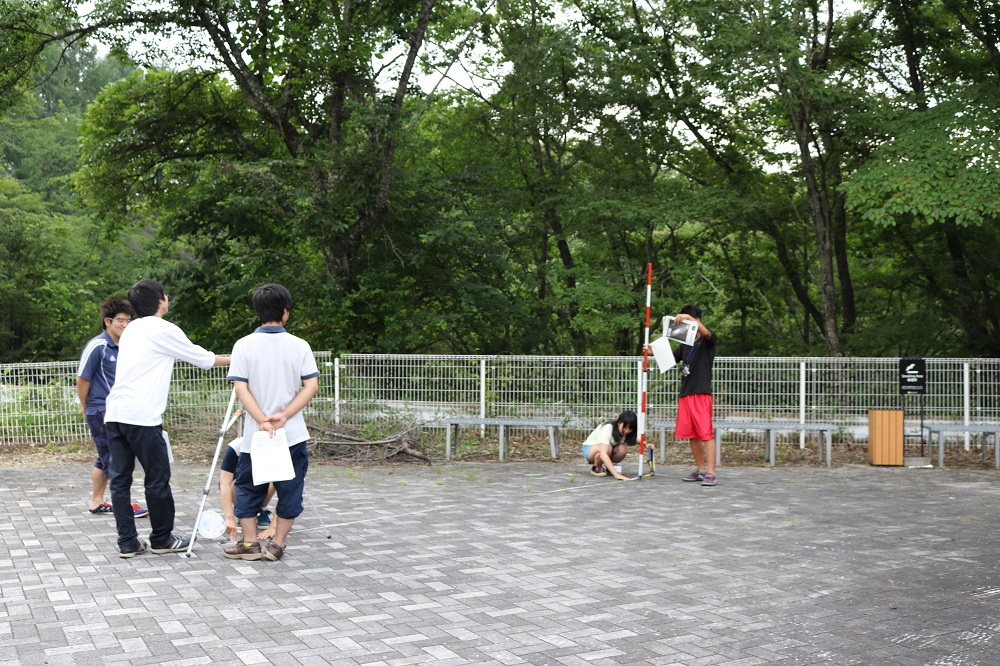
[336, 390]
[965, 399]
[482, 397]
[979, 393]
[802, 402]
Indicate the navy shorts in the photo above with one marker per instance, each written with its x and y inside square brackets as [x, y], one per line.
[249, 498]
[100, 434]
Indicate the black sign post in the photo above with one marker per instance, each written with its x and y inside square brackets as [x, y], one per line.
[912, 376]
[913, 381]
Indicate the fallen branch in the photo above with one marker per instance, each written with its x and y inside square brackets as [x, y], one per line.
[347, 442]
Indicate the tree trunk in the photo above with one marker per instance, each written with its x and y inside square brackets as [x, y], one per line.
[822, 229]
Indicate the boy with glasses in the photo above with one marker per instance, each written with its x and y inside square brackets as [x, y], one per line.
[94, 378]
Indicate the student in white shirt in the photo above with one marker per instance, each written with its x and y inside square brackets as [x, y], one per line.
[147, 350]
[275, 376]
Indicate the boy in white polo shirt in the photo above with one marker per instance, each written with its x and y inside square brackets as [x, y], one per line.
[275, 376]
[147, 350]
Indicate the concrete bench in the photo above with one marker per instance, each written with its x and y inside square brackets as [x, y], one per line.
[552, 425]
[986, 428]
[768, 427]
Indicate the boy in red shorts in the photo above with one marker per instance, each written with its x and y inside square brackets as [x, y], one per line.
[694, 407]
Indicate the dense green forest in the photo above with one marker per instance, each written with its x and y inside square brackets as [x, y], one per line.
[493, 176]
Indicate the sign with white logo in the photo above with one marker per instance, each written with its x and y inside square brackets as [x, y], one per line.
[912, 376]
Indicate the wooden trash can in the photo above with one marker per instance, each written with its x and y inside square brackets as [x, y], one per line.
[885, 436]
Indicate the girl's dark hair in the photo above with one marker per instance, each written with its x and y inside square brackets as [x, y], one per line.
[626, 418]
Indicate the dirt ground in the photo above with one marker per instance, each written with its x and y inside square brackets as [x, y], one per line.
[197, 446]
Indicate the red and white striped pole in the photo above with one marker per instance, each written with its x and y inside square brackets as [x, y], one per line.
[645, 375]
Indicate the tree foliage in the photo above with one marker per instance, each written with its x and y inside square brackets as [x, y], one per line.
[495, 176]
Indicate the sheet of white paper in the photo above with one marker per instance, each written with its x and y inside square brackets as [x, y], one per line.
[170, 451]
[270, 457]
[662, 354]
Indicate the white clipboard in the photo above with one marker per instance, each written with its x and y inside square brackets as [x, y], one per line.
[270, 458]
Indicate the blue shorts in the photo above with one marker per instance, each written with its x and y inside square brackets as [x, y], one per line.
[100, 434]
[586, 452]
[249, 498]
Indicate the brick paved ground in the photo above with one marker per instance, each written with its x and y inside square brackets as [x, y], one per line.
[526, 564]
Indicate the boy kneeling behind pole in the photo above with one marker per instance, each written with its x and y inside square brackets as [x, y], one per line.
[275, 376]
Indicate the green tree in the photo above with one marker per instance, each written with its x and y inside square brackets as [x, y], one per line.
[334, 114]
[55, 266]
[933, 180]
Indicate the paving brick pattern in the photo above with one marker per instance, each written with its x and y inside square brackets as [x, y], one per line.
[525, 564]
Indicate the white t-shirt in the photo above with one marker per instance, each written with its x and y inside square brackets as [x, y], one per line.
[601, 435]
[146, 354]
[273, 363]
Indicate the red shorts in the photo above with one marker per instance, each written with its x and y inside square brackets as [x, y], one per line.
[694, 417]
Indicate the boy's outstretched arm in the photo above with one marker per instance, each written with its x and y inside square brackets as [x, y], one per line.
[310, 387]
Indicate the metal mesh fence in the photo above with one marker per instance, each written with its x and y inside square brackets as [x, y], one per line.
[426, 387]
[38, 403]
[38, 400]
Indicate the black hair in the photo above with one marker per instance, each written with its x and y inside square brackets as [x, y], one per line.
[628, 419]
[692, 310]
[145, 296]
[113, 307]
[270, 301]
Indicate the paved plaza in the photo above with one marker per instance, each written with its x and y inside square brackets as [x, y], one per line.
[517, 563]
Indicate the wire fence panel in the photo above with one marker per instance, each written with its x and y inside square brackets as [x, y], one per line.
[583, 391]
[756, 388]
[427, 387]
[38, 400]
[38, 403]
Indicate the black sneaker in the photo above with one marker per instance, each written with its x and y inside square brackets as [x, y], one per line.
[175, 545]
[138, 549]
[264, 519]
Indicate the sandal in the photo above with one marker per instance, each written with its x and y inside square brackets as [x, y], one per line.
[103, 508]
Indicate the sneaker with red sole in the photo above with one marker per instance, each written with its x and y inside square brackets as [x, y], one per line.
[101, 508]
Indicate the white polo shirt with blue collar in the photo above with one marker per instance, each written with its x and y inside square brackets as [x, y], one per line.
[273, 363]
